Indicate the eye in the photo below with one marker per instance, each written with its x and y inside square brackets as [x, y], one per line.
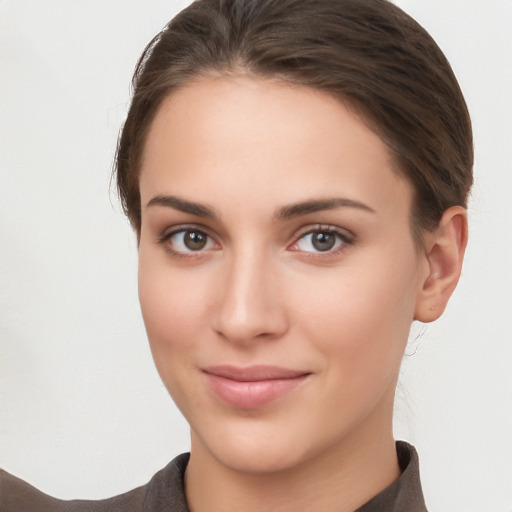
[320, 240]
[188, 241]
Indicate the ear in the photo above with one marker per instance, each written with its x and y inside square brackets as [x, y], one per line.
[444, 252]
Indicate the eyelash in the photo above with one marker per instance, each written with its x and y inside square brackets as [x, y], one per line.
[343, 239]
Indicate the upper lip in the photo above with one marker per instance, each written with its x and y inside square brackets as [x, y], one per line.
[253, 373]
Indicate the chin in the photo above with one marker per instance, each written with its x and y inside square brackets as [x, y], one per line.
[254, 448]
[258, 459]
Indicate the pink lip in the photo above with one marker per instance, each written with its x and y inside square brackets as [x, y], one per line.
[254, 386]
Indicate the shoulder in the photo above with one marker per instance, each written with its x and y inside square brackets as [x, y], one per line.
[163, 491]
[19, 496]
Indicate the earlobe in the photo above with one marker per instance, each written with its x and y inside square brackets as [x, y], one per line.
[444, 253]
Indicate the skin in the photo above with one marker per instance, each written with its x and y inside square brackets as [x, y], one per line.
[260, 292]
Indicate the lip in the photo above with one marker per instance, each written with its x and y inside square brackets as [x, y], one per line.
[252, 387]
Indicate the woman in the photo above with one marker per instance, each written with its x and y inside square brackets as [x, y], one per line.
[296, 173]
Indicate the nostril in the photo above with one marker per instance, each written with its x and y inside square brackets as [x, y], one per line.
[243, 325]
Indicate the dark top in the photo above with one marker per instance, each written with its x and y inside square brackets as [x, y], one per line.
[165, 492]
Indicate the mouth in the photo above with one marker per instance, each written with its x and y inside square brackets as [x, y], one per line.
[252, 387]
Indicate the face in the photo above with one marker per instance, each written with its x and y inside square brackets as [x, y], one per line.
[278, 275]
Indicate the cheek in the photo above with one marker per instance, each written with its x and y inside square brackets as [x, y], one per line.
[173, 305]
[173, 311]
[361, 330]
[362, 315]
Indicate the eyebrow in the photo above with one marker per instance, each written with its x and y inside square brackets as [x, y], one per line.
[318, 205]
[182, 205]
[285, 213]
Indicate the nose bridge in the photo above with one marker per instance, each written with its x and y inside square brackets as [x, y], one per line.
[249, 304]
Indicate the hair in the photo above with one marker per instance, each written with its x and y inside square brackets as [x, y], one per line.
[367, 53]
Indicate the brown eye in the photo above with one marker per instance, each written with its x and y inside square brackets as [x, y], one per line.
[323, 241]
[195, 240]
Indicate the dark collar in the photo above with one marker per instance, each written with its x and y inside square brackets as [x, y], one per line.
[404, 494]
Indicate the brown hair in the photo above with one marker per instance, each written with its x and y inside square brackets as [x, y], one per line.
[368, 53]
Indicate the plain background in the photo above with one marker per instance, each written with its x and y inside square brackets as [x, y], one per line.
[82, 410]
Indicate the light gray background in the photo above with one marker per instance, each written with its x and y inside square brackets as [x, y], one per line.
[82, 410]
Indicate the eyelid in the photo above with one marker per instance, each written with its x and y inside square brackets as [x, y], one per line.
[329, 228]
[178, 228]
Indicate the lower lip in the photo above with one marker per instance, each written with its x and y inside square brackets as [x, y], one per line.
[252, 394]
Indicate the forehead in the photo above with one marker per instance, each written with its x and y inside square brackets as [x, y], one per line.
[239, 137]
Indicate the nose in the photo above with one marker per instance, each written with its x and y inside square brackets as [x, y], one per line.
[250, 304]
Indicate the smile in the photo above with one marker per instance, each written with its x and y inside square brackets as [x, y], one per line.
[252, 387]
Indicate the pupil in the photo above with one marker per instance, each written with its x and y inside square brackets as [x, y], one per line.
[323, 241]
[195, 240]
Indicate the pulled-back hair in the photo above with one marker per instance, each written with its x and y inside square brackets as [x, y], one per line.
[368, 53]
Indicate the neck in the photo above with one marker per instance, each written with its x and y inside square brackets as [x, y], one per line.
[339, 480]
